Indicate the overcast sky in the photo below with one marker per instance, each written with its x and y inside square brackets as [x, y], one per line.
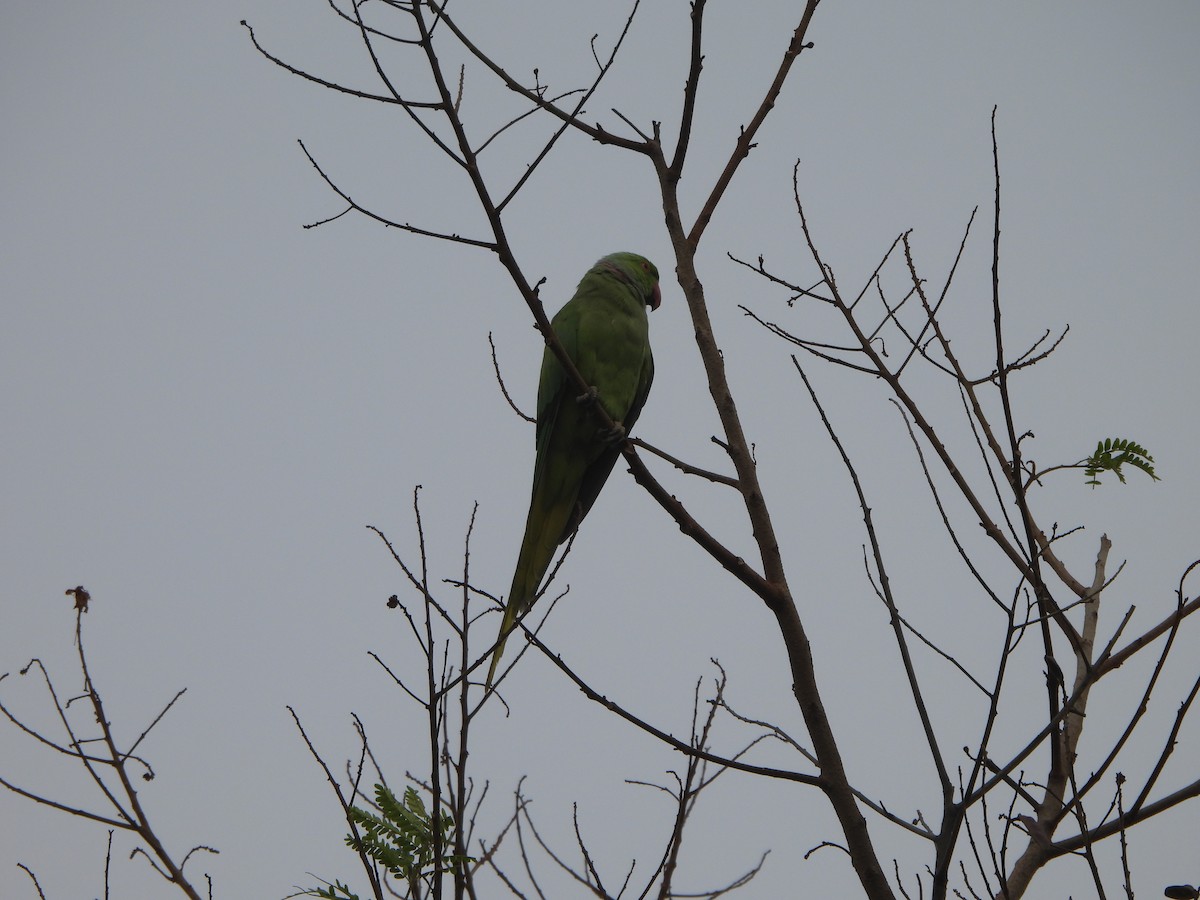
[204, 404]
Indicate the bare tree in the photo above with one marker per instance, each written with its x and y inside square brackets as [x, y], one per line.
[92, 741]
[1041, 601]
[1011, 801]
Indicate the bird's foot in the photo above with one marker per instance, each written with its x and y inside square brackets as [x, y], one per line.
[613, 435]
[589, 397]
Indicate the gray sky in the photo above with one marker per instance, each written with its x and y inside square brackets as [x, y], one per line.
[205, 403]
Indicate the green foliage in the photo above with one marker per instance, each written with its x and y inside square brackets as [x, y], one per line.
[1111, 454]
[333, 890]
[403, 839]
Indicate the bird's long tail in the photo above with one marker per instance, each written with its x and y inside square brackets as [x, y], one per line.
[543, 532]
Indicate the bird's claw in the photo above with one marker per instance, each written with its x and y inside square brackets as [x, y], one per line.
[613, 435]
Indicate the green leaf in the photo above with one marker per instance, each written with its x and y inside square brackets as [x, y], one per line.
[401, 839]
[334, 890]
[1114, 453]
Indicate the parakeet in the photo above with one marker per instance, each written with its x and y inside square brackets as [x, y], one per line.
[605, 330]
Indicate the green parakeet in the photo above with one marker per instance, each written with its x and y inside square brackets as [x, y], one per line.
[605, 331]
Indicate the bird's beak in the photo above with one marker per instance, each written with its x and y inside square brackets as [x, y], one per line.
[655, 298]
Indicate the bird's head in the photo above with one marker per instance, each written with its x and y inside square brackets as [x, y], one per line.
[636, 271]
